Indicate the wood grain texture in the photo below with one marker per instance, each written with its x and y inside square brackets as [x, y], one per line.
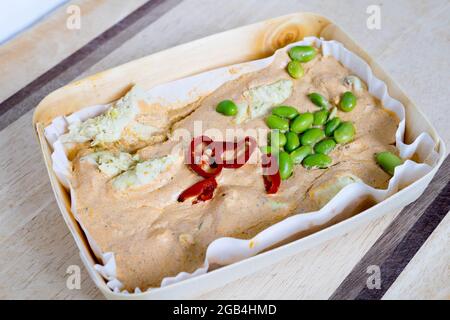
[67, 70]
[417, 281]
[50, 42]
[395, 247]
[36, 245]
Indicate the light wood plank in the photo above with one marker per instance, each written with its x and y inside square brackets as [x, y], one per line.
[36, 50]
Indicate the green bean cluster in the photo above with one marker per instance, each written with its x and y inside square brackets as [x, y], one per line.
[299, 55]
[308, 138]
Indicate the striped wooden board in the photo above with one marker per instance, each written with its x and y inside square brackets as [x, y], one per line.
[410, 247]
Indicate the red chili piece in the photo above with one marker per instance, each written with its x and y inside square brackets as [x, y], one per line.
[201, 191]
[210, 168]
[272, 180]
[205, 168]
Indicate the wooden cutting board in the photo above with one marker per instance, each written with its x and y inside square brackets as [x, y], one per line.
[410, 248]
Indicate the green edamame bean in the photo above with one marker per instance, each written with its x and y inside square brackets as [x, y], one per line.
[292, 142]
[317, 160]
[312, 136]
[277, 139]
[301, 153]
[325, 146]
[344, 133]
[348, 102]
[285, 164]
[388, 161]
[318, 99]
[285, 112]
[302, 122]
[302, 53]
[227, 108]
[332, 125]
[275, 122]
[295, 69]
[320, 117]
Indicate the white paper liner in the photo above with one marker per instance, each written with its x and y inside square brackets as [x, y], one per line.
[225, 251]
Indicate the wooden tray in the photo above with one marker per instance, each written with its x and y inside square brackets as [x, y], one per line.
[234, 46]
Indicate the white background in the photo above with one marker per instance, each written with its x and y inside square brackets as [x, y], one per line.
[17, 15]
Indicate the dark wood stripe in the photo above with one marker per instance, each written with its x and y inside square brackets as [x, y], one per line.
[401, 240]
[68, 69]
[411, 243]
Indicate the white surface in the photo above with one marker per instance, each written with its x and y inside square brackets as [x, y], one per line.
[17, 15]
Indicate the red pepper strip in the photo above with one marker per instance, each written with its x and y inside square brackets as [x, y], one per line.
[206, 169]
[202, 191]
[240, 159]
[272, 181]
